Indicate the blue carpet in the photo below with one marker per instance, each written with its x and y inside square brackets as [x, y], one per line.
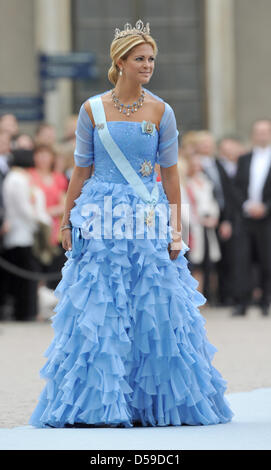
[250, 429]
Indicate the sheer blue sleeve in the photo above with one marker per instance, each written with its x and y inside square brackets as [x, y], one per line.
[84, 152]
[167, 154]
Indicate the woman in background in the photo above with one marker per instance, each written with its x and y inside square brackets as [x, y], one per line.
[197, 191]
[54, 185]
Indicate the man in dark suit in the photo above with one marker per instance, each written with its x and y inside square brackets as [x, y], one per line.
[253, 191]
[219, 164]
[229, 150]
[206, 148]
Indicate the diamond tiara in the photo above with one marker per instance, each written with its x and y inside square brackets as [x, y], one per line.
[139, 29]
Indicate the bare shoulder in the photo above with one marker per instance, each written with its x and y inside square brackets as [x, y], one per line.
[158, 107]
[106, 97]
[89, 111]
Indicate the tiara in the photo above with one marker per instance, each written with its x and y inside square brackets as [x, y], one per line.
[139, 29]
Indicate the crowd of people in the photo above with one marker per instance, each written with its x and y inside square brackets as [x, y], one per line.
[226, 185]
[34, 177]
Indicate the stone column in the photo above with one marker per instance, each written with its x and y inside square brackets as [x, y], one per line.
[220, 70]
[17, 52]
[53, 35]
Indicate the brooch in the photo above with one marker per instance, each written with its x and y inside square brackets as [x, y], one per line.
[146, 168]
[149, 219]
[148, 127]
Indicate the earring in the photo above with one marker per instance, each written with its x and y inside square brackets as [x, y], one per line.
[120, 72]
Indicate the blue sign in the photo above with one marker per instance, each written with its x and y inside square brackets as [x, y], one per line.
[75, 65]
[24, 107]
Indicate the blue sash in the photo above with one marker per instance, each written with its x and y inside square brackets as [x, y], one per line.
[119, 158]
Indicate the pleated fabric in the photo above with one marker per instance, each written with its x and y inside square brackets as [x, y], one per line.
[129, 339]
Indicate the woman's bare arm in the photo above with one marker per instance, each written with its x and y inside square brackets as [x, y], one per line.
[78, 177]
[171, 185]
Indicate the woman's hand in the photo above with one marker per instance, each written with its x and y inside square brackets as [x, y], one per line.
[78, 177]
[173, 254]
[171, 185]
[67, 239]
[174, 248]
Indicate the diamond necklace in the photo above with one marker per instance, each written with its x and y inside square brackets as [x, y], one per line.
[130, 108]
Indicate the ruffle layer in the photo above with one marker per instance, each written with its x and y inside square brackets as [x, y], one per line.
[130, 343]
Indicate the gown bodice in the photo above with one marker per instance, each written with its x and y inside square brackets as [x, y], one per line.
[141, 146]
[136, 145]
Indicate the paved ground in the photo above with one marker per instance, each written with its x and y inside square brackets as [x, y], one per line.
[243, 358]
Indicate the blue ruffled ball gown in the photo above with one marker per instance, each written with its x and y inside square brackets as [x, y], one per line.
[130, 343]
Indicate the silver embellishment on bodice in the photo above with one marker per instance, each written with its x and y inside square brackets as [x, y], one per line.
[146, 168]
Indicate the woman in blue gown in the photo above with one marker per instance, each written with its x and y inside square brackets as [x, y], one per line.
[130, 346]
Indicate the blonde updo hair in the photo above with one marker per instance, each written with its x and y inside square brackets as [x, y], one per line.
[121, 48]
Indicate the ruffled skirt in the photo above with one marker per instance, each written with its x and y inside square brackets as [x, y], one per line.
[130, 343]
